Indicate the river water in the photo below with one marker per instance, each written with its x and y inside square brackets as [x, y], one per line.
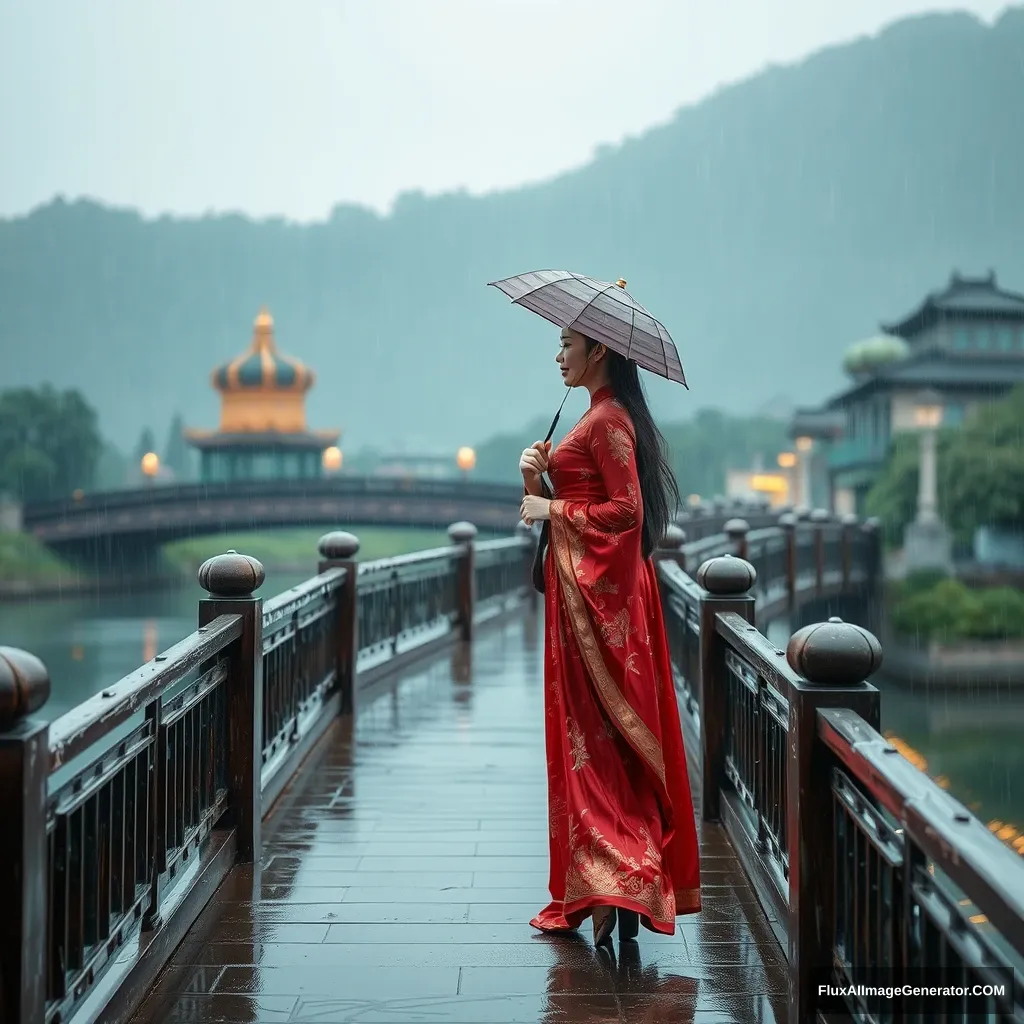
[970, 741]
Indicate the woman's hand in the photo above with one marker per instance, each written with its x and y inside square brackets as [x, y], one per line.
[534, 508]
[533, 463]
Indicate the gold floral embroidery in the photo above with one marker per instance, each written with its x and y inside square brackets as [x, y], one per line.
[598, 868]
[631, 662]
[576, 545]
[633, 504]
[578, 743]
[556, 813]
[603, 585]
[585, 473]
[630, 724]
[620, 445]
[616, 630]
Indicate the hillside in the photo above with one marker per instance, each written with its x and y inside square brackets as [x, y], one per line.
[769, 226]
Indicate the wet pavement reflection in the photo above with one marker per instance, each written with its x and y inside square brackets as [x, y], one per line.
[402, 866]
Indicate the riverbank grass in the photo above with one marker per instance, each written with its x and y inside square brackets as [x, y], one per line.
[25, 559]
[296, 548]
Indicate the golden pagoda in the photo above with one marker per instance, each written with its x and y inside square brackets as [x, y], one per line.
[263, 433]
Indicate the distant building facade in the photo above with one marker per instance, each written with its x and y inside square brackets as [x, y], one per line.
[263, 433]
[965, 343]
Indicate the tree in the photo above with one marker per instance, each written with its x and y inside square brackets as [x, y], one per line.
[983, 475]
[980, 474]
[49, 442]
[145, 444]
[176, 453]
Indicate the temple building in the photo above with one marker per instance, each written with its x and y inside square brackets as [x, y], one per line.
[263, 433]
[964, 344]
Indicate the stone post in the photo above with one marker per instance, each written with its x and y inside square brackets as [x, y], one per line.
[726, 581]
[849, 524]
[788, 523]
[24, 860]
[338, 551]
[462, 535]
[819, 518]
[672, 545]
[526, 533]
[834, 658]
[231, 581]
[736, 530]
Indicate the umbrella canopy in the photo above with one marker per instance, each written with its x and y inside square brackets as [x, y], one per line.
[601, 310]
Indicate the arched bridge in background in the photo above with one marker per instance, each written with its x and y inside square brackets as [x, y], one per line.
[118, 528]
[241, 807]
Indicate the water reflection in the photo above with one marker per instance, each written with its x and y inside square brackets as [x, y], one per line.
[89, 642]
[967, 739]
[615, 976]
[968, 742]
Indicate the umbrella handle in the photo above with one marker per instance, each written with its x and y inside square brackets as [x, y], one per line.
[551, 429]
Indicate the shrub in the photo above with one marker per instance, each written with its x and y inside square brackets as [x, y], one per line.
[946, 610]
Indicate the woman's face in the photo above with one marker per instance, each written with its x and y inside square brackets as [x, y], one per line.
[572, 357]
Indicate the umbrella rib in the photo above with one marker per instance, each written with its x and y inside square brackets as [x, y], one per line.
[590, 302]
[546, 284]
[632, 327]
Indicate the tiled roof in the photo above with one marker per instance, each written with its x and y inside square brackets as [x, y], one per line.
[963, 295]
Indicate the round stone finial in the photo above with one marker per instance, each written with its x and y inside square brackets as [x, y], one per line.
[834, 653]
[338, 545]
[850, 519]
[726, 576]
[872, 524]
[736, 528]
[675, 537]
[24, 685]
[461, 532]
[231, 575]
[787, 521]
[821, 515]
[801, 512]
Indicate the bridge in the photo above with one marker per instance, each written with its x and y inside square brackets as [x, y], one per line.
[330, 807]
[119, 528]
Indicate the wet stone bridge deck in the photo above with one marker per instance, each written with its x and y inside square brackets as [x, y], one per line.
[401, 868]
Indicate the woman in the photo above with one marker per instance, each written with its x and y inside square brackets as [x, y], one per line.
[622, 835]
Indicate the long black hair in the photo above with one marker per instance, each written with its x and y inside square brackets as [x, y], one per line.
[658, 488]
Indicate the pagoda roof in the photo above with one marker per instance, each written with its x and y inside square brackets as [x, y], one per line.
[963, 298]
[940, 370]
[262, 366]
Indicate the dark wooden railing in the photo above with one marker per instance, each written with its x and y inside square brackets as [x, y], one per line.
[872, 874]
[122, 816]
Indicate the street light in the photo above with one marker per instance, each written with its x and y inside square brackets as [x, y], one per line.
[150, 466]
[927, 544]
[928, 418]
[804, 446]
[465, 458]
[928, 410]
[332, 459]
[786, 460]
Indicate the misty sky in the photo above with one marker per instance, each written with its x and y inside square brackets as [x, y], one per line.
[289, 106]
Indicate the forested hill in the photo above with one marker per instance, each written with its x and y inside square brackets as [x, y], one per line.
[769, 226]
